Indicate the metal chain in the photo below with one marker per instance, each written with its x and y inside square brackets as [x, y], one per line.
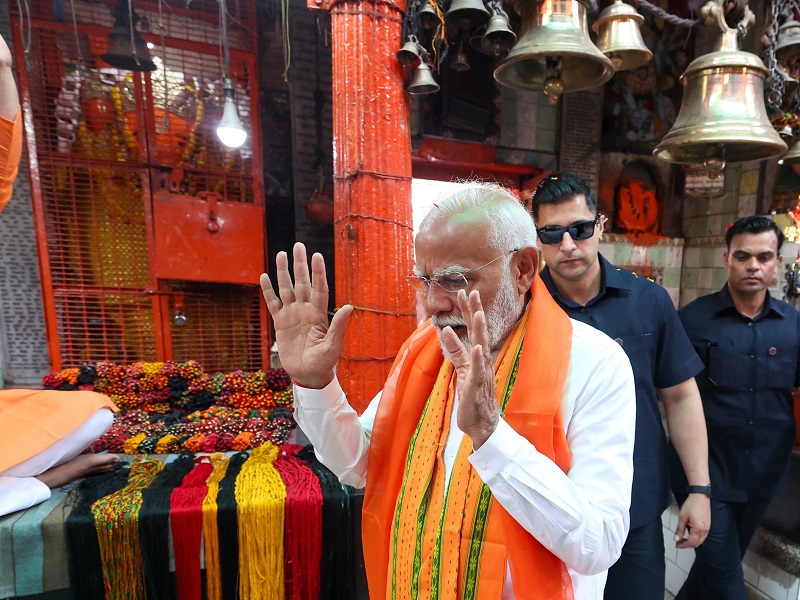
[774, 79]
[668, 17]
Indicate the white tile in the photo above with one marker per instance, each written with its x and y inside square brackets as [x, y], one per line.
[691, 257]
[794, 591]
[674, 578]
[715, 225]
[774, 582]
[673, 519]
[751, 565]
[685, 558]
[704, 280]
[639, 255]
[670, 551]
[665, 517]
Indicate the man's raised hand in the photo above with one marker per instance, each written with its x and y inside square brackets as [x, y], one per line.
[309, 348]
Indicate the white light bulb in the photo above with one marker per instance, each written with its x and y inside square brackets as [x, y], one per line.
[230, 131]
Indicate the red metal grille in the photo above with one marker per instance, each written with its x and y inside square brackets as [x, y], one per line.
[227, 320]
[101, 141]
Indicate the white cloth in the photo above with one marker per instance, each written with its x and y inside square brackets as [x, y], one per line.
[19, 488]
[582, 516]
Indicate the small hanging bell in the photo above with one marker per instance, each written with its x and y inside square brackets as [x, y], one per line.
[122, 52]
[466, 14]
[619, 37]
[427, 19]
[460, 62]
[409, 55]
[422, 81]
[787, 46]
[792, 156]
[498, 37]
[723, 118]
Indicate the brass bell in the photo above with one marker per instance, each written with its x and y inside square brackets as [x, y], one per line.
[554, 51]
[409, 55]
[460, 62]
[792, 156]
[619, 37]
[476, 41]
[722, 118]
[427, 19]
[787, 46]
[120, 53]
[498, 37]
[422, 81]
[466, 14]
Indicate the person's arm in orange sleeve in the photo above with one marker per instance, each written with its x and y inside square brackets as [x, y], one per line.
[10, 126]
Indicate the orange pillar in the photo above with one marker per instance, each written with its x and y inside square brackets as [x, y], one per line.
[372, 190]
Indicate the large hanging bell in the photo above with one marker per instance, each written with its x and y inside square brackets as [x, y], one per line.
[722, 118]
[554, 52]
[422, 81]
[619, 37]
[121, 53]
[427, 19]
[466, 14]
[498, 37]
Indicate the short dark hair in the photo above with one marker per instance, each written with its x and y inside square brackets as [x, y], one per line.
[559, 188]
[754, 224]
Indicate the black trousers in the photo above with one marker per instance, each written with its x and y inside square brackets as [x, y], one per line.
[717, 570]
[639, 572]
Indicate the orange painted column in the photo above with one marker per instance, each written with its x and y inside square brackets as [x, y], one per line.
[372, 191]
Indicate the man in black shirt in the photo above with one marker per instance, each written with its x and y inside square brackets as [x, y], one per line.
[640, 316]
[750, 345]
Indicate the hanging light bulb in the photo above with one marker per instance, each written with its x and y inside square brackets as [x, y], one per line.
[230, 131]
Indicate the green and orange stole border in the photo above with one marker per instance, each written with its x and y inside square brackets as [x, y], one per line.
[423, 539]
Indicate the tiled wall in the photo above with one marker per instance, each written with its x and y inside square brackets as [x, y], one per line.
[764, 579]
[660, 260]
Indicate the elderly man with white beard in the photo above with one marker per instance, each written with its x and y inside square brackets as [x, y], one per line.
[497, 459]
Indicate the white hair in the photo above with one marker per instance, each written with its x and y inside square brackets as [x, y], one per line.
[510, 225]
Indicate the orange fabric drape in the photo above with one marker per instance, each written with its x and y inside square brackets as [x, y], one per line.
[10, 153]
[543, 367]
[32, 420]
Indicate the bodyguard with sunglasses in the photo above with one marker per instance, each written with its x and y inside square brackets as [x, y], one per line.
[640, 316]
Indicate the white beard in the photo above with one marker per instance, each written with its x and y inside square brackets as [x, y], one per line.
[501, 317]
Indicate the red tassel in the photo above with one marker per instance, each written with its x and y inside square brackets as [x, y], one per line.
[186, 516]
[302, 527]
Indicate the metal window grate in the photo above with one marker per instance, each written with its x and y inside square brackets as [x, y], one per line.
[104, 141]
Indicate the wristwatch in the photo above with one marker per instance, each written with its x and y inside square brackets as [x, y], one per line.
[699, 489]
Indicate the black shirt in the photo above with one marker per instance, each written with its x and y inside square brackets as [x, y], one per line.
[640, 316]
[751, 366]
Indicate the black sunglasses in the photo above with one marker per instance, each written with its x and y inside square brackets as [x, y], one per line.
[582, 230]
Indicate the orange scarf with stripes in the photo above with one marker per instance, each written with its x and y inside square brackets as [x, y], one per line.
[425, 538]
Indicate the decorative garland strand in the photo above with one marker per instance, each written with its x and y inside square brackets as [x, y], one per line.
[83, 548]
[338, 559]
[186, 518]
[210, 535]
[154, 527]
[303, 525]
[260, 497]
[227, 526]
[116, 518]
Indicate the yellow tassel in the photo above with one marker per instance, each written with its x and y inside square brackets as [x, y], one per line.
[210, 533]
[260, 497]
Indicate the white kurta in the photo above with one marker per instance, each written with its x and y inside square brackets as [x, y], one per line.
[580, 516]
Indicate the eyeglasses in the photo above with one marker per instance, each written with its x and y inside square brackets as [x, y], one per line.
[582, 230]
[449, 282]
